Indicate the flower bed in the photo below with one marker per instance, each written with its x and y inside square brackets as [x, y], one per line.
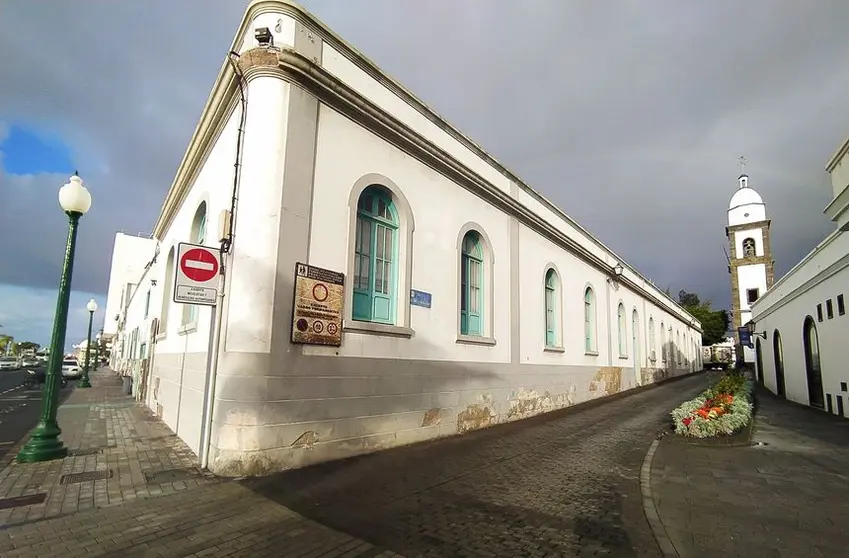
[721, 410]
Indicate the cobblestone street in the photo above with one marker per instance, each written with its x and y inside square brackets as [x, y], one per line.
[562, 484]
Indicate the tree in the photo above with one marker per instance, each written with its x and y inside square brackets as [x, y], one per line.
[6, 342]
[714, 322]
[28, 346]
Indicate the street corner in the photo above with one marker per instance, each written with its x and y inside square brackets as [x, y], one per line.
[782, 492]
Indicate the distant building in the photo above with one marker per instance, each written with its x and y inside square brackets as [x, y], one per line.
[803, 316]
[468, 298]
[751, 263]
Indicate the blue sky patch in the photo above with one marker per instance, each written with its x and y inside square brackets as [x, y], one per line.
[28, 152]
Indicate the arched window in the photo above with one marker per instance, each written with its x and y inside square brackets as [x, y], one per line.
[813, 369]
[652, 346]
[589, 320]
[197, 235]
[678, 346]
[623, 342]
[748, 247]
[472, 285]
[552, 311]
[662, 344]
[778, 362]
[375, 257]
[167, 287]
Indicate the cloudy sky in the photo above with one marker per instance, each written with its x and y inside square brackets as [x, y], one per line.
[629, 114]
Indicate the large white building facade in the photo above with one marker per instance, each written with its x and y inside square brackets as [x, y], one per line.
[801, 348]
[342, 168]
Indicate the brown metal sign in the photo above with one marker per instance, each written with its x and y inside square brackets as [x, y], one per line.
[318, 304]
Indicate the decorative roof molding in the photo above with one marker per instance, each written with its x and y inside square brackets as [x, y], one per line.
[305, 73]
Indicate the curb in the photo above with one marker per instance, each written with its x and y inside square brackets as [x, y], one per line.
[658, 530]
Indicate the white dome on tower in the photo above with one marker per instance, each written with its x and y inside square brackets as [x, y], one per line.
[746, 205]
[745, 196]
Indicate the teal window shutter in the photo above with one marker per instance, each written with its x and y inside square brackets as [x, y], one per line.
[471, 285]
[550, 308]
[589, 341]
[375, 257]
[623, 348]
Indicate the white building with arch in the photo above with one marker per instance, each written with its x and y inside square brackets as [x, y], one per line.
[342, 168]
[801, 322]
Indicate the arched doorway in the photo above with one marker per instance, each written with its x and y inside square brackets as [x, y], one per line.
[778, 360]
[759, 362]
[635, 332]
[812, 364]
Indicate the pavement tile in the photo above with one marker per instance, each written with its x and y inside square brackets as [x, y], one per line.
[95, 418]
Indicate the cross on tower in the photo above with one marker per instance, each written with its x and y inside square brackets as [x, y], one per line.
[742, 160]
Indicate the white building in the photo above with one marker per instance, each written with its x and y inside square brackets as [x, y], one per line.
[751, 263]
[344, 169]
[801, 347]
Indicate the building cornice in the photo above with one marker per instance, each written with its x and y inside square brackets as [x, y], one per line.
[817, 249]
[305, 73]
[838, 155]
[795, 293]
[763, 224]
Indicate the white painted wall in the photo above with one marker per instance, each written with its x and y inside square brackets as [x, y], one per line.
[179, 354]
[438, 225]
[787, 313]
[751, 277]
[129, 256]
[254, 255]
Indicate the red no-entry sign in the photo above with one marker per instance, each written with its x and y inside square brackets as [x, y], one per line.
[199, 264]
[196, 276]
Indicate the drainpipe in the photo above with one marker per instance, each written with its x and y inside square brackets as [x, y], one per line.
[609, 327]
[212, 372]
[214, 350]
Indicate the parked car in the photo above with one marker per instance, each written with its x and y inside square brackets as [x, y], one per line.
[71, 368]
[30, 362]
[9, 363]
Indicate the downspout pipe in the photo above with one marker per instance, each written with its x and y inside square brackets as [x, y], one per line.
[217, 317]
[609, 324]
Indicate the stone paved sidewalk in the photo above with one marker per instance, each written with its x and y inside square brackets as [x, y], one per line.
[222, 519]
[787, 498]
[113, 441]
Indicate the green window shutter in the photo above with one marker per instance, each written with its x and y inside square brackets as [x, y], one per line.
[375, 258]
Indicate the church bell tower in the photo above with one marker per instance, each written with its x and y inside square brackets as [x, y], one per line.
[751, 263]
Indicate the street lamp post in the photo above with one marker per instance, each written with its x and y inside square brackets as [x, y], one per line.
[97, 350]
[44, 444]
[92, 308]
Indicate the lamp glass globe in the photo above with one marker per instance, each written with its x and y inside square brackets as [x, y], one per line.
[74, 196]
[91, 306]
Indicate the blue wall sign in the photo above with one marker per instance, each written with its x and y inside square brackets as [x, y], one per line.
[420, 298]
[745, 336]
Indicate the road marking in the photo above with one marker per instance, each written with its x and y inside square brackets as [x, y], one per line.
[11, 389]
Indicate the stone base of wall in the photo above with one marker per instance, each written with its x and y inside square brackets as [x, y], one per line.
[438, 400]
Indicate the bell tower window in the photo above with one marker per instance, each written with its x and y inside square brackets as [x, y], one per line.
[749, 248]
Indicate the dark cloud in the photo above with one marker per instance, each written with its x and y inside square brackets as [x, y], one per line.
[630, 119]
